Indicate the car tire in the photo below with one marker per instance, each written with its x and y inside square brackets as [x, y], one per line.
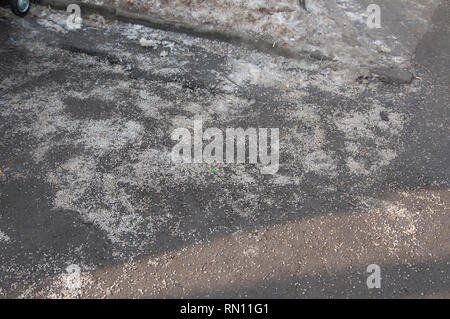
[20, 7]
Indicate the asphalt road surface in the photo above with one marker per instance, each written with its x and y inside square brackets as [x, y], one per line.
[91, 204]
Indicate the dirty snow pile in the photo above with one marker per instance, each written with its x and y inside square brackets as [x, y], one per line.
[304, 26]
[59, 22]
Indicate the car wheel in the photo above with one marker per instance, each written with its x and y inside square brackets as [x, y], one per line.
[20, 7]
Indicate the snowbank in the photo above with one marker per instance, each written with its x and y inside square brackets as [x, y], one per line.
[301, 25]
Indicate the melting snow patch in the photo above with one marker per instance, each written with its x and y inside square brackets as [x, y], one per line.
[3, 237]
[148, 43]
[59, 22]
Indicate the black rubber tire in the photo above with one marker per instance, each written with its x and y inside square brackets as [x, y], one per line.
[15, 9]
